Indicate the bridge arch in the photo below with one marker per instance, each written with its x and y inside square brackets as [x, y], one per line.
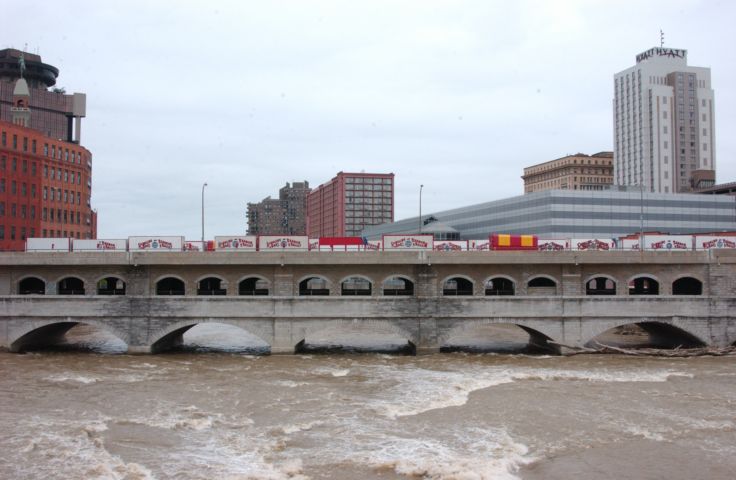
[211, 284]
[169, 284]
[542, 284]
[600, 284]
[70, 285]
[314, 285]
[110, 284]
[500, 285]
[254, 285]
[31, 285]
[457, 285]
[356, 285]
[45, 332]
[539, 333]
[687, 285]
[643, 284]
[666, 333]
[397, 285]
[171, 335]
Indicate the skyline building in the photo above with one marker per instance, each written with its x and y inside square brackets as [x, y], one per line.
[286, 215]
[663, 117]
[45, 182]
[343, 206]
[611, 213]
[571, 172]
[54, 113]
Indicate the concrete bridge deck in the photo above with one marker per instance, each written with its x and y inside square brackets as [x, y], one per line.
[562, 309]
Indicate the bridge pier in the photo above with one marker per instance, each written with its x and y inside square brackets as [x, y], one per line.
[427, 350]
[139, 350]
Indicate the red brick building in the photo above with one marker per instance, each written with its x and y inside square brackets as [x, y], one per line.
[349, 202]
[45, 183]
[45, 188]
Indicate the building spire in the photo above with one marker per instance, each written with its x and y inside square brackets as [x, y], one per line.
[661, 38]
[22, 64]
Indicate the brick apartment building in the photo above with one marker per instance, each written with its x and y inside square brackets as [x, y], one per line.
[349, 202]
[283, 216]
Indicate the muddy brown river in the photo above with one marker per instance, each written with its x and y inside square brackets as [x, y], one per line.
[224, 413]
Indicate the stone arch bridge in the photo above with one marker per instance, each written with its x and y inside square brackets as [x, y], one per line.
[149, 300]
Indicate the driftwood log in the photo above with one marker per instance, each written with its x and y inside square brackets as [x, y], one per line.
[656, 352]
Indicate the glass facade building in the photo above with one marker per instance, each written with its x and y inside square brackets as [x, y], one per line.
[574, 214]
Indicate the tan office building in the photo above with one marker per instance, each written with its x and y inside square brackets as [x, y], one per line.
[573, 172]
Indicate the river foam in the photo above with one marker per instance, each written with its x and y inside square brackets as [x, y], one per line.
[417, 391]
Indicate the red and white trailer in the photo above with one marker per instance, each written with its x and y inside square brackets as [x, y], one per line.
[706, 242]
[48, 245]
[553, 244]
[593, 244]
[236, 243]
[407, 242]
[480, 245]
[668, 242]
[156, 244]
[100, 245]
[297, 243]
[451, 245]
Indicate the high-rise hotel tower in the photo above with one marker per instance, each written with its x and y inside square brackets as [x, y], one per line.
[663, 123]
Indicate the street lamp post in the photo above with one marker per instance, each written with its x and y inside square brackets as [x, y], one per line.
[641, 218]
[203, 185]
[420, 208]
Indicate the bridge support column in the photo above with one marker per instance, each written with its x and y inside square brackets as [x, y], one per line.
[283, 341]
[428, 336]
[139, 350]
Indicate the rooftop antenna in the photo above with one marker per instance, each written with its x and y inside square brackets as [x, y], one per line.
[661, 38]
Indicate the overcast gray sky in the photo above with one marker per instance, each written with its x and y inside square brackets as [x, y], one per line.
[458, 96]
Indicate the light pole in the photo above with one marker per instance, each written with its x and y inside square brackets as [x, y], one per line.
[420, 208]
[641, 217]
[203, 185]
